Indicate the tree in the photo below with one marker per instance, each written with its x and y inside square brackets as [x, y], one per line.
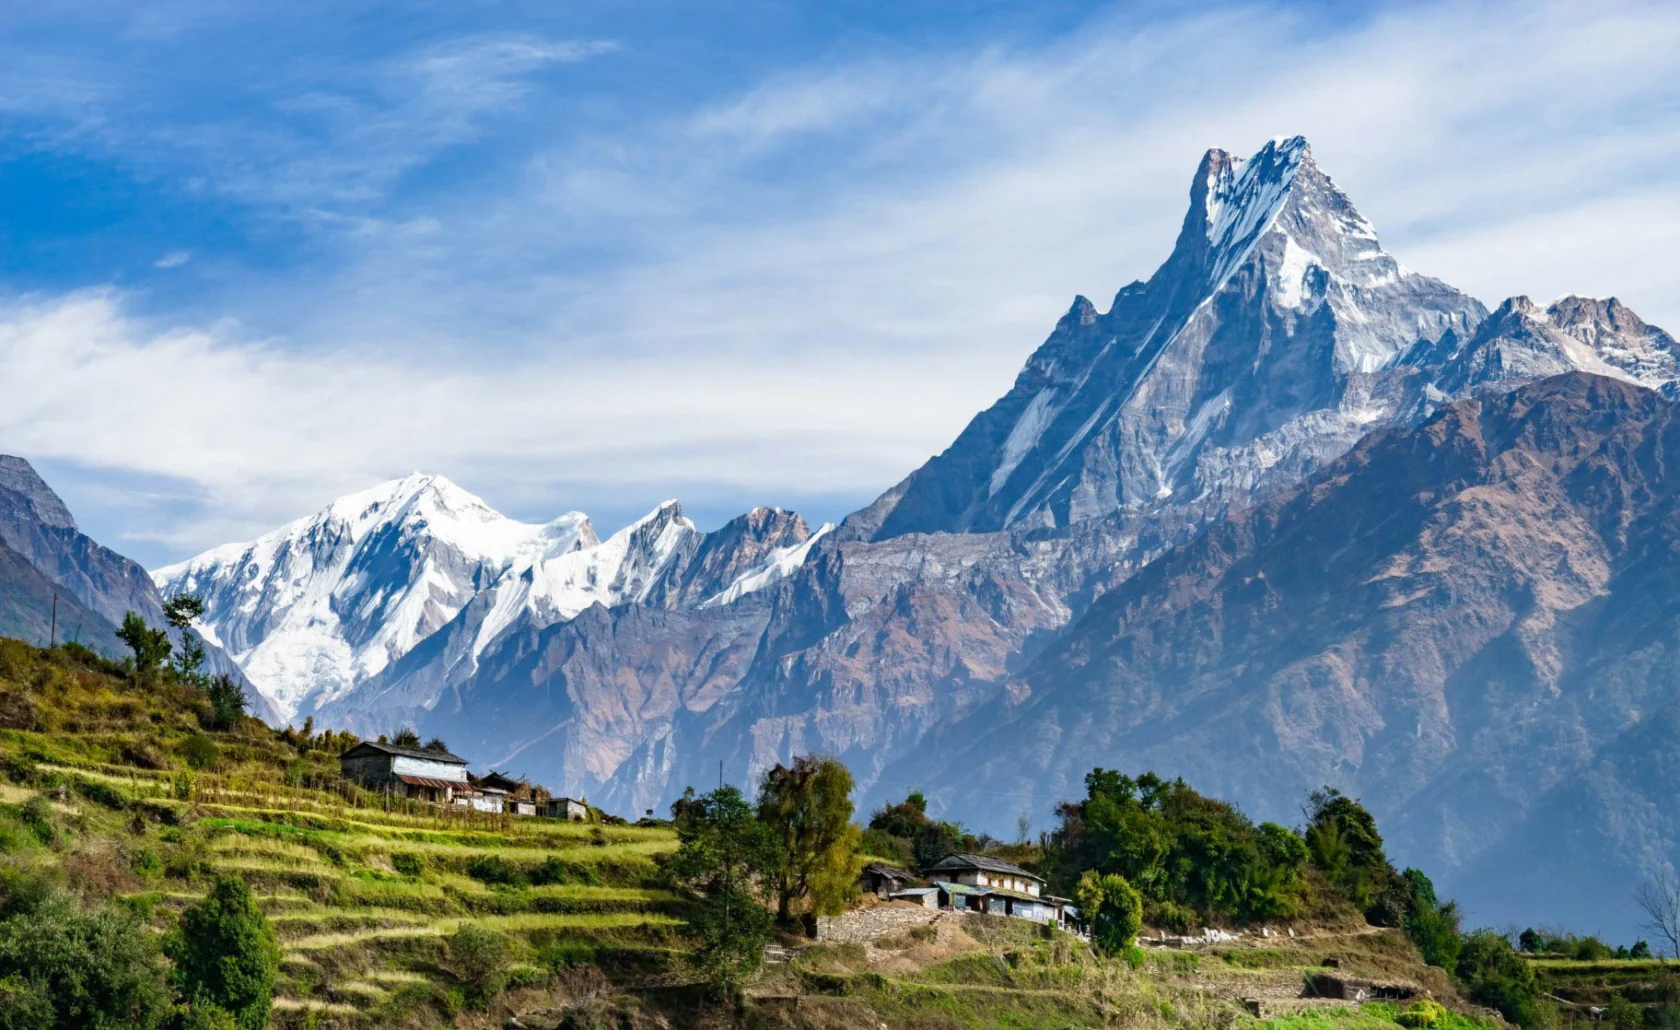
[227, 702]
[725, 857]
[1432, 925]
[225, 954]
[1493, 974]
[150, 646]
[406, 737]
[437, 745]
[928, 840]
[808, 806]
[1343, 839]
[1114, 908]
[478, 957]
[62, 965]
[1659, 899]
[1185, 853]
[182, 611]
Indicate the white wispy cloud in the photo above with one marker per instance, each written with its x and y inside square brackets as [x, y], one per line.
[173, 259]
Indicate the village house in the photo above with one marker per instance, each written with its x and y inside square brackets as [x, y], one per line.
[976, 883]
[515, 796]
[883, 881]
[410, 772]
[481, 799]
[564, 808]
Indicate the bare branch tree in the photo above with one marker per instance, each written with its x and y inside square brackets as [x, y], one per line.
[1659, 899]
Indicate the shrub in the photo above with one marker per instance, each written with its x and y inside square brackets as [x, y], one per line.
[227, 703]
[408, 863]
[478, 958]
[225, 954]
[207, 1017]
[1494, 975]
[1423, 1015]
[497, 870]
[65, 966]
[200, 752]
[1115, 909]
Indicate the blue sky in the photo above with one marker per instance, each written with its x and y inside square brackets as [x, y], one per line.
[254, 256]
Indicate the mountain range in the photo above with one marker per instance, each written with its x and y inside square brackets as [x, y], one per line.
[57, 583]
[1287, 513]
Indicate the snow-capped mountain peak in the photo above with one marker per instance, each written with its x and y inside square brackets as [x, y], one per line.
[331, 598]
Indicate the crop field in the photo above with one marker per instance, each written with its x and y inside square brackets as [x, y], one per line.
[361, 891]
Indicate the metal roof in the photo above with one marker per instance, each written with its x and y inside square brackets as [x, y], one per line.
[406, 752]
[427, 781]
[920, 892]
[984, 864]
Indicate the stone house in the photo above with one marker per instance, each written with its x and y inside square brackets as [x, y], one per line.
[433, 776]
[883, 881]
[564, 808]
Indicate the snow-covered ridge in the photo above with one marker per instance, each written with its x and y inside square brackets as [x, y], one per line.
[329, 601]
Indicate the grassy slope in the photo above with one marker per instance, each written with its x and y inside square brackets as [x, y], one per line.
[361, 895]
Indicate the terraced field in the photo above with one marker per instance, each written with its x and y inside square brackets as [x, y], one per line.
[118, 791]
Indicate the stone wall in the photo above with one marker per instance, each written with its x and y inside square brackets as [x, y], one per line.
[862, 925]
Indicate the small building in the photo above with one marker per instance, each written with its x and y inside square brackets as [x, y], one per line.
[976, 883]
[927, 897]
[519, 806]
[568, 809]
[981, 871]
[410, 772]
[883, 881]
[481, 799]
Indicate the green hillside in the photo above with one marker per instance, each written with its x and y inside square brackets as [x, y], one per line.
[115, 794]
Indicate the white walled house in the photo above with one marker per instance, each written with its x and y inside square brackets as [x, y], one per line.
[980, 871]
[976, 883]
[433, 776]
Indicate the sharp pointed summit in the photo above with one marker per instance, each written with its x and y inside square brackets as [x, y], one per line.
[1239, 364]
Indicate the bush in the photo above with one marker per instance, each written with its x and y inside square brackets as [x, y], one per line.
[1423, 1015]
[478, 957]
[1494, 975]
[65, 966]
[1115, 909]
[225, 954]
[201, 752]
[496, 870]
[408, 863]
[207, 1017]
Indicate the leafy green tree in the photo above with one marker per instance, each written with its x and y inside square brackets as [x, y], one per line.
[1345, 845]
[808, 807]
[225, 954]
[479, 957]
[928, 840]
[227, 702]
[181, 611]
[437, 745]
[150, 646]
[1115, 910]
[1183, 852]
[1493, 974]
[725, 858]
[406, 737]
[63, 966]
[1431, 924]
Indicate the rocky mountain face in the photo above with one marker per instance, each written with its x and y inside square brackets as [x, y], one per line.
[1248, 358]
[1275, 338]
[47, 554]
[1466, 623]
